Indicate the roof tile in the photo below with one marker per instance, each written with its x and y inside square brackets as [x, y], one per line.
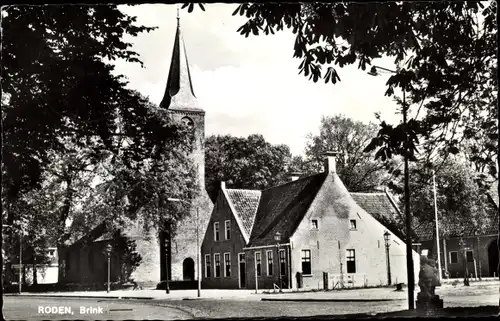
[245, 203]
[283, 207]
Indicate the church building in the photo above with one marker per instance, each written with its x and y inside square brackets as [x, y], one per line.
[162, 256]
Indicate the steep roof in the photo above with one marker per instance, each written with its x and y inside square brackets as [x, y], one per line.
[179, 93]
[379, 205]
[283, 207]
[426, 230]
[245, 204]
[493, 193]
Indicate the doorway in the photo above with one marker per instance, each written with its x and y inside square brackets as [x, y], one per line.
[188, 269]
[493, 258]
[242, 270]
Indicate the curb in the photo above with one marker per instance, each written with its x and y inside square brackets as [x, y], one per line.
[330, 300]
[80, 296]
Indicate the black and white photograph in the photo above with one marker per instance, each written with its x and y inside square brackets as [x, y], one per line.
[270, 160]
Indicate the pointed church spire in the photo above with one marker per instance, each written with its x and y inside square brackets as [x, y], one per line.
[179, 93]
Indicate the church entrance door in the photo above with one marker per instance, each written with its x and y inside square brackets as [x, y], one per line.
[188, 269]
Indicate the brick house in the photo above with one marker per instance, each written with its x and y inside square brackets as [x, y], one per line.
[310, 225]
[465, 245]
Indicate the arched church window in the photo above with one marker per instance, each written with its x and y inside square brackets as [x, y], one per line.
[188, 122]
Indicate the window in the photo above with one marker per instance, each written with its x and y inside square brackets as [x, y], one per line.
[258, 262]
[282, 262]
[269, 263]
[51, 252]
[351, 261]
[314, 224]
[453, 257]
[216, 231]
[217, 265]
[228, 229]
[353, 224]
[470, 257]
[207, 265]
[306, 262]
[227, 264]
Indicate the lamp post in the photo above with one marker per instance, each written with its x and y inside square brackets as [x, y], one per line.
[198, 268]
[387, 238]
[464, 247]
[107, 251]
[277, 237]
[409, 257]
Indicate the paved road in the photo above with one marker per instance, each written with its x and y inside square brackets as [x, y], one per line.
[207, 308]
[32, 308]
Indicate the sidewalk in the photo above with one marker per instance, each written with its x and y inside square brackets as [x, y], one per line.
[351, 295]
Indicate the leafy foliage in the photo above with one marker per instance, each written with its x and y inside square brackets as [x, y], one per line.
[357, 169]
[59, 83]
[445, 54]
[462, 204]
[125, 250]
[69, 123]
[248, 163]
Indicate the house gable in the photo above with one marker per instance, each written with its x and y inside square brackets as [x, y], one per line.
[282, 208]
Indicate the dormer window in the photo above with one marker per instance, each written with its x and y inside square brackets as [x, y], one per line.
[353, 225]
[314, 224]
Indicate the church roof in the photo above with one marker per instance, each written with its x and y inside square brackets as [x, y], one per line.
[179, 93]
[245, 203]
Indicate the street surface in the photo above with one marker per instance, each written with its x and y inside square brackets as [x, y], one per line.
[183, 304]
[27, 308]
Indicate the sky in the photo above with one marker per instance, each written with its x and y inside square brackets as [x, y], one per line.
[249, 85]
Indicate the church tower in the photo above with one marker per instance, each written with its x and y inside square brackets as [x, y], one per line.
[178, 254]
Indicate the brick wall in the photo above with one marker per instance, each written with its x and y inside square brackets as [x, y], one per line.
[234, 246]
[266, 281]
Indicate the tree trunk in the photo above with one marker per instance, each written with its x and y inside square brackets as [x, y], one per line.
[35, 280]
[61, 262]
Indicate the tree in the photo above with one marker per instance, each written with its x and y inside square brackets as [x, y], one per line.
[125, 250]
[248, 163]
[357, 169]
[462, 204]
[58, 82]
[445, 53]
[66, 117]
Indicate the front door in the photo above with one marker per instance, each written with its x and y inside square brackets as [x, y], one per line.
[242, 270]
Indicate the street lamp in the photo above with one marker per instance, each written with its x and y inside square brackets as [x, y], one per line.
[107, 251]
[197, 242]
[409, 257]
[387, 238]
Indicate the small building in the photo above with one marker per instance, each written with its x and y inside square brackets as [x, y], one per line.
[307, 233]
[464, 247]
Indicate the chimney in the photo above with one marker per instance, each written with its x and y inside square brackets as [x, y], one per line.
[223, 185]
[331, 161]
[293, 176]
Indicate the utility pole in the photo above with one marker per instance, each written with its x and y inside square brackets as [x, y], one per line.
[437, 226]
[409, 247]
[21, 262]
